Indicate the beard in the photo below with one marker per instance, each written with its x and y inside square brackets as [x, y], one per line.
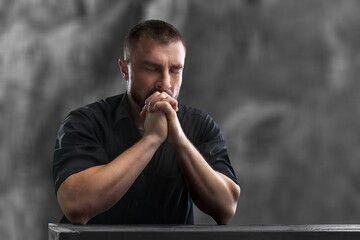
[141, 102]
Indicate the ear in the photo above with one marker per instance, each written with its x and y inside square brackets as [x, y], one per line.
[124, 68]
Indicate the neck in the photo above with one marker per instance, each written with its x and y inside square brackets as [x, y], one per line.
[135, 111]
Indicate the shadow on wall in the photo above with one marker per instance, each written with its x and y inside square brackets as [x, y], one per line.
[279, 77]
[55, 57]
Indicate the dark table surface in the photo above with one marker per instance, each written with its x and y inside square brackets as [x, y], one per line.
[208, 232]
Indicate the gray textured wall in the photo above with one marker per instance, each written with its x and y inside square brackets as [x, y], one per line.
[279, 76]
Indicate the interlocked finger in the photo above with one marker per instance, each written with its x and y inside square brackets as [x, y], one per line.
[158, 97]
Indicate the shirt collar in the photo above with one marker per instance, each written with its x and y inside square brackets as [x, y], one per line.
[123, 110]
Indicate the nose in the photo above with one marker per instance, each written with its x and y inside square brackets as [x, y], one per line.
[164, 82]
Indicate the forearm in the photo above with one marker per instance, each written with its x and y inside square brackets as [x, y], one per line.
[213, 192]
[92, 191]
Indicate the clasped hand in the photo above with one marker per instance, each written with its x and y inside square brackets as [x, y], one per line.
[160, 117]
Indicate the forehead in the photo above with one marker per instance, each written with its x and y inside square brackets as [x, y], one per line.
[147, 47]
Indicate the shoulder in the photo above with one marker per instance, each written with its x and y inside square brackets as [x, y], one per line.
[99, 109]
[187, 111]
[97, 114]
[198, 124]
[107, 104]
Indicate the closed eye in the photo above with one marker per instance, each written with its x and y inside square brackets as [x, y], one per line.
[176, 70]
[151, 67]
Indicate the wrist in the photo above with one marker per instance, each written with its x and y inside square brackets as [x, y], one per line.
[153, 140]
[181, 142]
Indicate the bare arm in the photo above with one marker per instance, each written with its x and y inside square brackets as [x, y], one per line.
[213, 192]
[86, 194]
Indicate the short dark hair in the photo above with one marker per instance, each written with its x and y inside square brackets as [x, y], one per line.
[159, 30]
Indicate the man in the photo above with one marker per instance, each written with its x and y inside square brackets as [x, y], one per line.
[140, 157]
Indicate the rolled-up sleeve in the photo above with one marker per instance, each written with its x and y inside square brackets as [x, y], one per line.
[78, 147]
[212, 146]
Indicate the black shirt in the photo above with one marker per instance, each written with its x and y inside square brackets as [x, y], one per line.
[97, 133]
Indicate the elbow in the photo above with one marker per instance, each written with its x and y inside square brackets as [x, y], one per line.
[74, 214]
[224, 217]
[77, 220]
[73, 210]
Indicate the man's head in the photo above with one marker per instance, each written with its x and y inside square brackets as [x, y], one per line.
[158, 30]
[154, 57]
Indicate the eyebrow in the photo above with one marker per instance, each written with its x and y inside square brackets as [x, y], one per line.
[153, 64]
[149, 63]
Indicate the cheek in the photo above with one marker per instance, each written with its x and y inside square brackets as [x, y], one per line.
[138, 81]
[140, 86]
[143, 79]
[176, 87]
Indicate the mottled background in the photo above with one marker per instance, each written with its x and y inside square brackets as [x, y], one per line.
[279, 76]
